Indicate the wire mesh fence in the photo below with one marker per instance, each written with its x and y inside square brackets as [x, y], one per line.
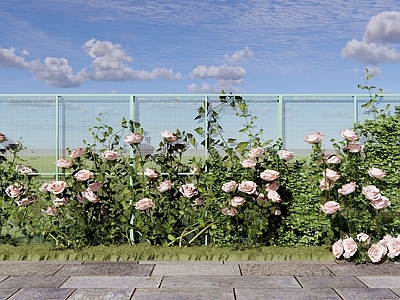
[48, 124]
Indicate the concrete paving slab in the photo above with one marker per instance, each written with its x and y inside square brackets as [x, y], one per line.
[196, 269]
[330, 282]
[284, 269]
[365, 294]
[396, 291]
[104, 294]
[115, 282]
[2, 278]
[286, 294]
[33, 282]
[30, 269]
[6, 293]
[347, 269]
[42, 293]
[107, 269]
[231, 281]
[184, 294]
[380, 281]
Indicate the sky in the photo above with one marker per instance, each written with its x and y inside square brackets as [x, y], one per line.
[196, 47]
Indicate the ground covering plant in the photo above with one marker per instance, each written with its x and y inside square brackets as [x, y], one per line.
[245, 193]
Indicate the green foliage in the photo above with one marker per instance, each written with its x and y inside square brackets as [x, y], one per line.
[246, 192]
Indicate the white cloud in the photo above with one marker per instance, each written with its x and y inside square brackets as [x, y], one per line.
[9, 59]
[382, 31]
[384, 28]
[238, 55]
[57, 72]
[373, 70]
[224, 72]
[229, 86]
[110, 60]
[109, 64]
[370, 53]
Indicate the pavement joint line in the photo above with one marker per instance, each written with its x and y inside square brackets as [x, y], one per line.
[298, 282]
[356, 277]
[161, 281]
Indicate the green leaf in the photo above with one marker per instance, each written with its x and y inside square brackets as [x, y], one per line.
[230, 141]
[241, 146]
[199, 130]
[171, 237]
[201, 222]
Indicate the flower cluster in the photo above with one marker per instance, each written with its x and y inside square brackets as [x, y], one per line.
[249, 187]
[330, 177]
[347, 247]
[388, 246]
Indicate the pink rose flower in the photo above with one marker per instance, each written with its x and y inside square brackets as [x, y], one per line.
[230, 211]
[326, 185]
[248, 187]
[189, 190]
[78, 152]
[349, 135]
[273, 186]
[380, 203]
[256, 152]
[133, 138]
[165, 186]
[314, 138]
[371, 192]
[2, 137]
[248, 163]
[14, 191]
[64, 163]
[110, 155]
[95, 186]
[57, 187]
[237, 201]
[377, 252]
[169, 136]
[90, 196]
[330, 207]
[57, 202]
[347, 189]
[350, 247]
[24, 169]
[363, 237]
[198, 202]
[45, 186]
[274, 196]
[354, 147]
[331, 175]
[150, 173]
[80, 198]
[269, 175]
[26, 201]
[376, 173]
[331, 159]
[286, 155]
[260, 197]
[337, 249]
[144, 204]
[50, 211]
[229, 186]
[83, 175]
[393, 246]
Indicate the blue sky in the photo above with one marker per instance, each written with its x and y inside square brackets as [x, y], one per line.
[186, 46]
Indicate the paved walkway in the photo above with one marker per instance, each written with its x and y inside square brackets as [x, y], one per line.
[151, 280]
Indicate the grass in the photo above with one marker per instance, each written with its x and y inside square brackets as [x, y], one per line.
[33, 252]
